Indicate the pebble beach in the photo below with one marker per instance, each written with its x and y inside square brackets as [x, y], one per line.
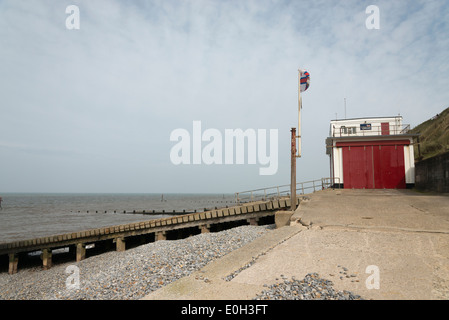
[127, 275]
[136, 272]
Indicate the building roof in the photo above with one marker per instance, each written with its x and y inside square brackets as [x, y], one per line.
[367, 118]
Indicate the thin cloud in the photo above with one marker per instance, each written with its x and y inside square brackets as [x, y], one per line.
[136, 71]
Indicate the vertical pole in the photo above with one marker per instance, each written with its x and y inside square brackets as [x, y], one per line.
[46, 259]
[345, 108]
[13, 261]
[80, 251]
[293, 172]
[299, 114]
[120, 244]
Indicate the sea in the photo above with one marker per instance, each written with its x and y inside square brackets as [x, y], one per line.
[30, 215]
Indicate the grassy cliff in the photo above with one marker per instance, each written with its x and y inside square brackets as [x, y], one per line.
[434, 136]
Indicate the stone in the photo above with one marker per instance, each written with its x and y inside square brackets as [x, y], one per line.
[282, 218]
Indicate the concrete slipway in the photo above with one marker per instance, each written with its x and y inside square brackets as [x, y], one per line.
[402, 233]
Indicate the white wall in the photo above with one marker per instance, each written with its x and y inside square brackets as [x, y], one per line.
[337, 158]
[409, 162]
[336, 125]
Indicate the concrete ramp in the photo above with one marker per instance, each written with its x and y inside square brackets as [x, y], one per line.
[379, 244]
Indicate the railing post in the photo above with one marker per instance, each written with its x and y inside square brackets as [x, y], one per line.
[293, 189]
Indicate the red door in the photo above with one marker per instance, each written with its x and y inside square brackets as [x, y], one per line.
[389, 167]
[385, 128]
[373, 165]
[358, 167]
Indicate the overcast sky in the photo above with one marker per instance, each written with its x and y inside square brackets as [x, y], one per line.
[92, 109]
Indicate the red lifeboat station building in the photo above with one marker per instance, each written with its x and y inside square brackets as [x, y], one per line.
[371, 153]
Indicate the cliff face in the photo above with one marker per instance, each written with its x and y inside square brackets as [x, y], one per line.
[434, 136]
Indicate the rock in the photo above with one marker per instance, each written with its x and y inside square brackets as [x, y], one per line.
[310, 288]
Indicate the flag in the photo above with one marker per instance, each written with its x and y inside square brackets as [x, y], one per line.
[304, 80]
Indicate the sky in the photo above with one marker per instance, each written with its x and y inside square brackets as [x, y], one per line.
[92, 109]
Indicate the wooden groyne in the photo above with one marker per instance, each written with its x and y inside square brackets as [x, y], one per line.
[120, 234]
[147, 212]
[150, 212]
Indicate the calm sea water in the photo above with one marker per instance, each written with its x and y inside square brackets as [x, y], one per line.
[25, 216]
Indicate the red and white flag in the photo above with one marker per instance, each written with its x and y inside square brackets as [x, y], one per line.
[304, 80]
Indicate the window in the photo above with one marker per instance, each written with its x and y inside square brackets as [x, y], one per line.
[347, 130]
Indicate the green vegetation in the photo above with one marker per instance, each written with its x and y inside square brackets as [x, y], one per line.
[434, 136]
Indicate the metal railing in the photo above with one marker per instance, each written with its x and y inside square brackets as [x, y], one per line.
[361, 130]
[271, 193]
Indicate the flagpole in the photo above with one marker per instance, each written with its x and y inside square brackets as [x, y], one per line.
[294, 148]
